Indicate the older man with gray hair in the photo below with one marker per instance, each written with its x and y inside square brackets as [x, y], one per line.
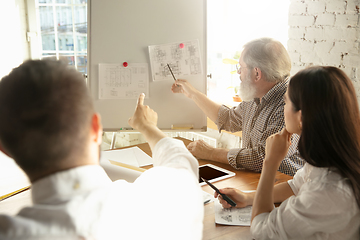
[264, 69]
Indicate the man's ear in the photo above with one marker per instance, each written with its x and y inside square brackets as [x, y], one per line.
[258, 74]
[96, 128]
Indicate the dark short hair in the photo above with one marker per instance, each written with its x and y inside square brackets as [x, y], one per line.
[330, 135]
[45, 111]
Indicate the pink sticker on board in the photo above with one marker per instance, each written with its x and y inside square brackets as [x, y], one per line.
[181, 45]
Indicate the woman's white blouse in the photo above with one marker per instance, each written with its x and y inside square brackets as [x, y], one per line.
[323, 207]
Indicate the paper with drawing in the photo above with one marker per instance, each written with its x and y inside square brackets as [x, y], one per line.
[232, 216]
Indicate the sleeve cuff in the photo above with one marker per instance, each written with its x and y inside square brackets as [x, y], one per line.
[231, 157]
[292, 186]
[173, 153]
[161, 145]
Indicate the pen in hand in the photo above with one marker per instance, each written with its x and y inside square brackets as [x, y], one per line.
[224, 196]
[171, 72]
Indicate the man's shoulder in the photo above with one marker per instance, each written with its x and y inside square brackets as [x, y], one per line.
[246, 104]
[275, 97]
[15, 227]
[277, 92]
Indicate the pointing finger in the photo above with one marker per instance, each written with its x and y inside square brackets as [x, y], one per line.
[141, 99]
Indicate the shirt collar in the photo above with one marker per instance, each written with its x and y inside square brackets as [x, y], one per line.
[63, 185]
[275, 92]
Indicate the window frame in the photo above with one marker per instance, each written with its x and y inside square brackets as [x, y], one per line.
[34, 31]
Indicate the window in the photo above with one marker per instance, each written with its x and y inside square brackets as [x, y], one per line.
[61, 27]
[231, 24]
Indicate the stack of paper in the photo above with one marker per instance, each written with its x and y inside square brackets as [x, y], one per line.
[124, 163]
[131, 156]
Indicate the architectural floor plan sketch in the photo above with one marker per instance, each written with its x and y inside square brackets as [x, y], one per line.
[232, 216]
[118, 82]
[183, 57]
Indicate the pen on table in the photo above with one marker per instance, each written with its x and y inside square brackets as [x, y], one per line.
[224, 196]
[14, 193]
[127, 166]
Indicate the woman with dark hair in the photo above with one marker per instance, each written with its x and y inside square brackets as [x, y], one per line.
[322, 201]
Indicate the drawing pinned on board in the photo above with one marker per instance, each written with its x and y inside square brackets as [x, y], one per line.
[184, 60]
[123, 81]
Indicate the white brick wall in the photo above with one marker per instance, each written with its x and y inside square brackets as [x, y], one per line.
[325, 32]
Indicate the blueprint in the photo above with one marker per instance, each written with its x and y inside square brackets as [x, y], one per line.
[183, 58]
[232, 216]
[118, 82]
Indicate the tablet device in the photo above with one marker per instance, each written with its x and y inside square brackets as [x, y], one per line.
[213, 173]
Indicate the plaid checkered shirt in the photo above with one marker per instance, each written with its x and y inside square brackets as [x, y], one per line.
[258, 120]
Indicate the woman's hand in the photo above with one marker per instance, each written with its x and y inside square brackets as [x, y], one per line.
[277, 146]
[240, 198]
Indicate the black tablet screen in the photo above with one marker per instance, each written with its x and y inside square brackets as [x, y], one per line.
[209, 173]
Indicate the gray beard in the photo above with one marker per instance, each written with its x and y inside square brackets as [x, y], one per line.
[247, 90]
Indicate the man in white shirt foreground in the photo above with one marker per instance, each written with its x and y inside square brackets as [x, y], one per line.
[49, 126]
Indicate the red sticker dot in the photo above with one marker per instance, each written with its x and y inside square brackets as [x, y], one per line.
[181, 45]
[125, 64]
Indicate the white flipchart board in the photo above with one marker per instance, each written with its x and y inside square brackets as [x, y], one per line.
[121, 31]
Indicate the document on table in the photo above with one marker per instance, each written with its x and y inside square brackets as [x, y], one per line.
[232, 216]
[208, 198]
[133, 156]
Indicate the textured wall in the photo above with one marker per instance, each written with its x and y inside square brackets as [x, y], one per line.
[325, 32]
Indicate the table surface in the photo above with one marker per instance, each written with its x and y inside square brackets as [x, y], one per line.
[244, 180]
